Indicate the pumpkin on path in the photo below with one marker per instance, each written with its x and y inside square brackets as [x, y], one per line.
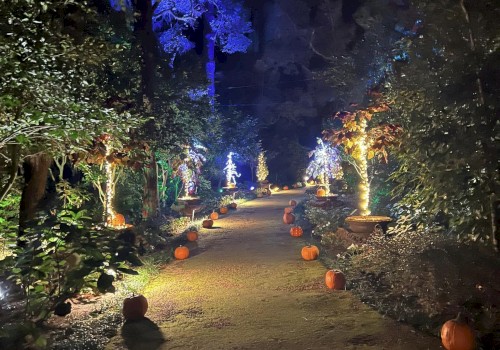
[296, 231]
[134, 308]
[207, 223]
[214, 216]
[310, 252]
[181, 253]
[335, 280]
[456, 334]
[288, 218]
[192, 236]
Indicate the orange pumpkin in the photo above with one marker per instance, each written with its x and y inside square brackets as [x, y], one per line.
[181, 253]
[288, 218]
[335, 280]
[310, 252]
[321, 192]
[214, 216]
[457, 335]
[207, 223]
[292, 203]
[117, 220]
[288, 210]
[285, 188]
[296, 231]
[223, 210]
[135, 307]
[192, 236]
[233, 205]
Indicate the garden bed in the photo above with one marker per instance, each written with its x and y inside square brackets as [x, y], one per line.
[420, 278]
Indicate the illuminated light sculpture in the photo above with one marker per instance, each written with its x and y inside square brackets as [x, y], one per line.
[325, 165]
[262, 170]
[190, 169]
[231, 173]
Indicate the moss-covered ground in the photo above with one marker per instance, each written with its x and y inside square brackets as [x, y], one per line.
[245, 286]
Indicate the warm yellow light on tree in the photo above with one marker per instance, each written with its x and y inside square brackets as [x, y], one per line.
[361, 158]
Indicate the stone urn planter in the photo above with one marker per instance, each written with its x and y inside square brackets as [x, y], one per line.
[328, 198]
[189, 201]
[367, 224]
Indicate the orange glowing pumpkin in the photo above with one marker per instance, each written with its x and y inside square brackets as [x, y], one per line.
[335, 280]
[288, 218]
[457, 335]
[192, 236]
[134, 308]
[288, 210]
[321, 192]
[285, 188]
[296, 231]
[181, 253]
[310, 252]
[214, 216]
[118, 220]
[223, 210]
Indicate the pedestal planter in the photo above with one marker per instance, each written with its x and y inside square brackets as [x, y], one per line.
[189, 201]
[366, 224]
[328, 198]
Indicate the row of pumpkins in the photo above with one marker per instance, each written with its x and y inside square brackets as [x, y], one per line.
[334, 279]
[182, 252]
[456, 334]
[136, 306]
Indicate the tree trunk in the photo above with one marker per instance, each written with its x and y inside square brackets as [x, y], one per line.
[150, 198]
[146, 37]
[36, 171]
[210, 65]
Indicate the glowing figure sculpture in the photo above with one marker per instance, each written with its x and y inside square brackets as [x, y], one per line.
[230, 170]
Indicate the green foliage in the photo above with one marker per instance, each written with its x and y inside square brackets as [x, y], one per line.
[61, 256]
[176, 226]
[448, 164]
[325, 221]
[128, 196]
[9, 217]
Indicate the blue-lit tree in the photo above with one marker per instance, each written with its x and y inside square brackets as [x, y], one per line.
[226, 27]
[326, 163]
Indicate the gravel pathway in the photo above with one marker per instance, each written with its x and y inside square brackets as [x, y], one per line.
[246, 287]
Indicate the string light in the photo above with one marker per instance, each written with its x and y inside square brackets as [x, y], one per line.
[262, 170]
[109, 212]
[325, 165]
[361, 158]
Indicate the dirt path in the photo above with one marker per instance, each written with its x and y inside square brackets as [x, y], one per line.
[246, 287]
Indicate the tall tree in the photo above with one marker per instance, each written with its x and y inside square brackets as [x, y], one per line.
[449, 154]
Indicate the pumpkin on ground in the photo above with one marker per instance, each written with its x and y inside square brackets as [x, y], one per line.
[192, 236]
[288, 210]
[457, 335]
[335, 280]
[233, 205]
[310, 252]
[214, 216]
[285, 188]
[292, 203]
[321, 192]
[288, 218]
[134, 308]
[296, 231]
[223, 210]
[181, 253]
[207, 223]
